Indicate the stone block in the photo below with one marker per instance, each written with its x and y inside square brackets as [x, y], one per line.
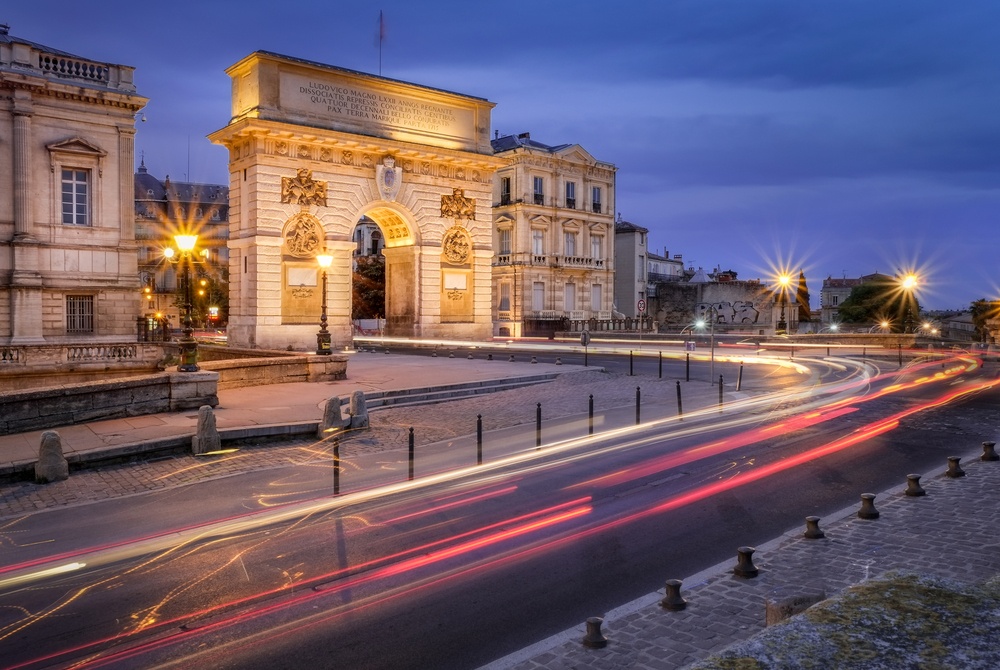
[785, 602]
[52, 465]
[206, 437]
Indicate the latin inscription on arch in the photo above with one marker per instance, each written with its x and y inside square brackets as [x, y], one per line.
[349, 103]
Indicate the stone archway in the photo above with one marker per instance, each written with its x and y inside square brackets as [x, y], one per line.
[313, 148]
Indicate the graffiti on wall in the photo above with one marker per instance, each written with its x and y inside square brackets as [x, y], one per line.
[727, 313]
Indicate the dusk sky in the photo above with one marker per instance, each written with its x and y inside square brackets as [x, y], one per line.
[843, 137]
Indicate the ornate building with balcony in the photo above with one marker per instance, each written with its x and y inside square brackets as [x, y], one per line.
[163, 208]
[67, 242]
[553, 237]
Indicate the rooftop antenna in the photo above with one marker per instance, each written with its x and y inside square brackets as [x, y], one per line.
[381, 37]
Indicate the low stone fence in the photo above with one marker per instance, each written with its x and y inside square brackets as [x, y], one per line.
[39, 365]
[39, 409]
[237, 373]
[71, 403]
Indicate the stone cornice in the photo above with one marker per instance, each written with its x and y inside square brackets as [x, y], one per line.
[39, 86]
[248, 137]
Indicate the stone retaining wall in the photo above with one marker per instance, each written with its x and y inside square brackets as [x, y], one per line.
[278, 370]
[40, 409]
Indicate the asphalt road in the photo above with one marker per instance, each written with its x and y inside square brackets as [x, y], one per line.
[456, 572]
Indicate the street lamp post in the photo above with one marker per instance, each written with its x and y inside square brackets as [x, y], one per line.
[185, 255]
[323, 336]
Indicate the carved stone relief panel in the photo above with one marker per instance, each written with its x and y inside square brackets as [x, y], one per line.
[302, 189]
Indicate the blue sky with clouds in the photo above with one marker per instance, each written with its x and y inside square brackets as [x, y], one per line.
[844, 137]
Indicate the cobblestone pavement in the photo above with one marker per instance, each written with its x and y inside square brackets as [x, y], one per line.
[945, 533]
[565, 396]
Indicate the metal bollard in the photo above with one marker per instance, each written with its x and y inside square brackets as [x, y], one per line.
[744, 566]
[511, 359]
[638, 396]
[538, 425]
[680, 407]
[336, 466]
[913, 488]
[489, 357]
[434, 354]
[469, 357]
[867, 510]
[673, 600]
[590, 416]
[954, 469]
[479, 439]
[594, 638]
[687, 367]
[386, 351]
[661, 365]
[451, 354]
[630, 363]
[411, 455]
[558, 360]
[812, 529]
[988, 453]
[534, 360]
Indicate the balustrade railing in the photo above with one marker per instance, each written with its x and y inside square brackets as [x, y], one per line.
[72, 67]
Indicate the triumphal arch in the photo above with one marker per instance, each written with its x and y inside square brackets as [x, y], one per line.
[313, 149]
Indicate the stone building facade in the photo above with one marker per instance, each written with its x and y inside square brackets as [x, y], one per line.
[68, 269]
[313, 150]
[631, 267]
[553, 238]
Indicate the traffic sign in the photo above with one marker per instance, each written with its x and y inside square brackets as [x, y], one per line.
[585, 338]
[641, 305]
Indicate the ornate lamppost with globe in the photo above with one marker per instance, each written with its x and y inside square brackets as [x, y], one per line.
[323, 336]
[185, 255]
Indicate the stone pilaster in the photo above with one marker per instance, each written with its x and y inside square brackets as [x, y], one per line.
[22, 167]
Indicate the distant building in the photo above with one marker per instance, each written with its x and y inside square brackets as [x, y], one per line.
[368, 238]
[631, 266]
[162, 208]
[68, 262]
[662, 269]
[835, 291]
[553, 238]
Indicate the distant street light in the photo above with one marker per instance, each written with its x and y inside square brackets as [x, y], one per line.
[908, 283]
[783, 281]
[185, 255]
[882, 325]
[323, 336]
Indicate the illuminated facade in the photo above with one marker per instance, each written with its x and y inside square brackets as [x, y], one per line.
[313, 150]
[68, 269]
[553, 237]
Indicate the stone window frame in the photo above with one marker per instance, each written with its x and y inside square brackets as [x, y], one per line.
[538, 189]
[504, 296]
[505, 233]
[538, 240]
[80, 319]
[570, 191]
[77, 154]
